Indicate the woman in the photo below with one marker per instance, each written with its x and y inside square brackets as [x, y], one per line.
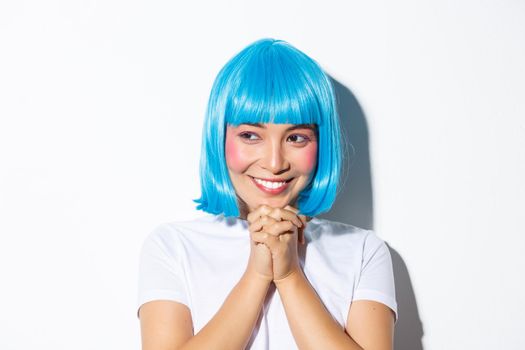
[260, 271]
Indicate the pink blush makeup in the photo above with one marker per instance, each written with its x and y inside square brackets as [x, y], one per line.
[309, 159]
[235, 159]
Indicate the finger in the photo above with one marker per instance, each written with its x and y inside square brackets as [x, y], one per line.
[280, 214]
[296, 211]
[264, 238]
[257, 213]
[259, 237]
[292, 209]
[303, 219]
[280, 227]
[300, 234]
[260, 223]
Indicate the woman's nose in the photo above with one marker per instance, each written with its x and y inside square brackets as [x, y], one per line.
[274, 159]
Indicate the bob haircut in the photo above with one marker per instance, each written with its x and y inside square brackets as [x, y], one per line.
[270, 81]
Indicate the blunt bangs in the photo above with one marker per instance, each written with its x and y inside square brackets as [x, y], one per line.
[272, 86]
[270, 81]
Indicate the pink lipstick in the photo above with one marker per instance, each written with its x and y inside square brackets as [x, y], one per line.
[271, 186]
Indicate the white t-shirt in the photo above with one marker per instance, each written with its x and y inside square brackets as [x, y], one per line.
[197, 263]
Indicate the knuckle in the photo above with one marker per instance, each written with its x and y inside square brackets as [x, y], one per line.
[255, 226]
[276, 214]
[269, 220]
[271, 231]
[265, 208]
[292, 209]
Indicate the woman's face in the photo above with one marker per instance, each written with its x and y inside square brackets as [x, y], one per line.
[270, 163]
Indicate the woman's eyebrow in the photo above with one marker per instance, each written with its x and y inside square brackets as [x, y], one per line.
[257, 125]
[302, 126]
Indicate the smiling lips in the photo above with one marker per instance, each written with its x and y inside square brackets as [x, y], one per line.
[273, 186]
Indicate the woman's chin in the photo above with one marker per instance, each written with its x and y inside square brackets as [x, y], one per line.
[274, 202]
[250, 206]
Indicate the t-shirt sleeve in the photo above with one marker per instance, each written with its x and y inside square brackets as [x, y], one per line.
[160, 270]
[376, 281]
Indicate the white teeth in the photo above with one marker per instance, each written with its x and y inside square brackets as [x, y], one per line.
[270, 184]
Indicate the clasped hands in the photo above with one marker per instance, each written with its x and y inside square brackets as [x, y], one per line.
[275, 234]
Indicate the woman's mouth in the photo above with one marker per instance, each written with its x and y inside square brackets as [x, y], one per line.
[271, 186]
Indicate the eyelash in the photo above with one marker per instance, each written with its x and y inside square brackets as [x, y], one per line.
[306, 138]
[247, 136]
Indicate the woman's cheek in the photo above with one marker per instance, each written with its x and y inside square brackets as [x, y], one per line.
[236, 159]
[309, 158]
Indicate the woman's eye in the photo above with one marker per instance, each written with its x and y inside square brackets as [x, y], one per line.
[249, 136]
[296, 138]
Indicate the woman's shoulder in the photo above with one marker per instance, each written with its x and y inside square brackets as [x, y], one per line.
[341, 233]
[335, 228]
[206, 224]
[180, 237]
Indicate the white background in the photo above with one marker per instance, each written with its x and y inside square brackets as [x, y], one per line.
[101, 105]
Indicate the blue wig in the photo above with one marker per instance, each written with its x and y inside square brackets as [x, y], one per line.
[270, 81]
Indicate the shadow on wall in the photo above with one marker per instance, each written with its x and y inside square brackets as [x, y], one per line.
[354, 205]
